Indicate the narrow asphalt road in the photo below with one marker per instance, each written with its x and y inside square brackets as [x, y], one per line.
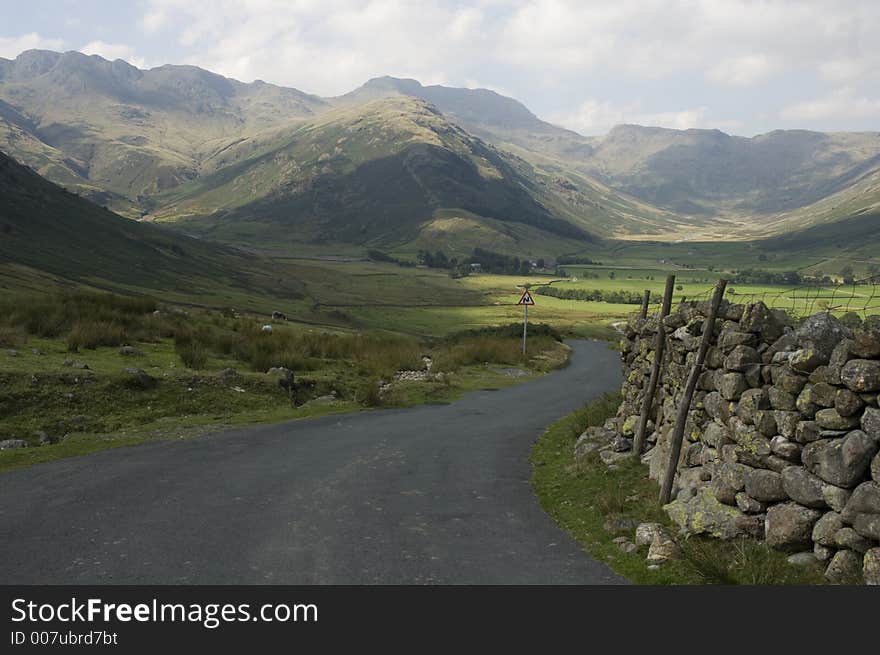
[429, 494]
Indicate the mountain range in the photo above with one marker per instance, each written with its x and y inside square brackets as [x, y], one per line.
[398, 164]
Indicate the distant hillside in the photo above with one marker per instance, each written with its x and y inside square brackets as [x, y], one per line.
[266, 165]
[708, 172]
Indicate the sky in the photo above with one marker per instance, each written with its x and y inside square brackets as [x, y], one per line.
[743, 66]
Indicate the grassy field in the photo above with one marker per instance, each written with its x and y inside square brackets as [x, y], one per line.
[82, 371]
[593, 503]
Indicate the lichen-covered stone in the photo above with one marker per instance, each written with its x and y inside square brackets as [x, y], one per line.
[842, 462]
[786, 449]
[786, 422]
[803, 487]
[781, 399]
[830, 419]
[741, 358]
[871, 422]
[865, 499]
[849, 538]
[821, 333]
[823, 394]
[765, 422]
[845, 568]
[848, 403]
[731, 385]
[703, 514]
[836, 497]
[807, 431]
[789, 526]
[748, 504]
[871, 567]
[765, 486]
[861, 375]
[789, 381]
[826, 528]
[759, 319]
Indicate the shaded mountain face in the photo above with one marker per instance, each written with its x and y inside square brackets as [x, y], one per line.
[368, 173]
[50, 229]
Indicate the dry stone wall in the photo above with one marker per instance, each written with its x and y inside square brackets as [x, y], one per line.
[783, 433]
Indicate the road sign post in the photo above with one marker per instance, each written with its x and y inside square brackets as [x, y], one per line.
[525, 300]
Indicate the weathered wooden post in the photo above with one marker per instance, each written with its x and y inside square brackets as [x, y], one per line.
[644, 313]
[659, 347]
[684, 407]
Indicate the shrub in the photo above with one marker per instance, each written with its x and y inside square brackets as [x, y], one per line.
[91, 334]
[191, 349]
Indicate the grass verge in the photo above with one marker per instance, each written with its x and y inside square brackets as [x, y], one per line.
[593, 504]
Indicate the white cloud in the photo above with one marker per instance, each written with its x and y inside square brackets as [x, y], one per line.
[531, 46]
[11, 47]
[841, 104]
[593, 117]
[743, 71]
[113, 51]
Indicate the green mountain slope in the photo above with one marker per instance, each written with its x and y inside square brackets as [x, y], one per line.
[369, 174]
[128, 132]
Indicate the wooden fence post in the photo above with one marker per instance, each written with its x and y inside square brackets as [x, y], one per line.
[684, 407]
[659, 347]
[645, 300]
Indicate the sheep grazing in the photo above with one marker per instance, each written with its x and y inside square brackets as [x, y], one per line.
[278, 316]
[266, 329]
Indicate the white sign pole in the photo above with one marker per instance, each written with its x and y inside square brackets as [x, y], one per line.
[525, 326]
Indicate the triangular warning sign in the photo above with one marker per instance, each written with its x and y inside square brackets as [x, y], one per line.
[526, 299]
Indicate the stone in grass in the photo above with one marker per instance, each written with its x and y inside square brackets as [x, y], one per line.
[10, 444]
[130, 351]
[136, 378]
[645, 533]
[789, 526]
[662, 549]
[823, 553]
[844, 568]
[871, 567]
[805, 558]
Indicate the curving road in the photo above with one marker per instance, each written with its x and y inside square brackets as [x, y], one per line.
[429, 494]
